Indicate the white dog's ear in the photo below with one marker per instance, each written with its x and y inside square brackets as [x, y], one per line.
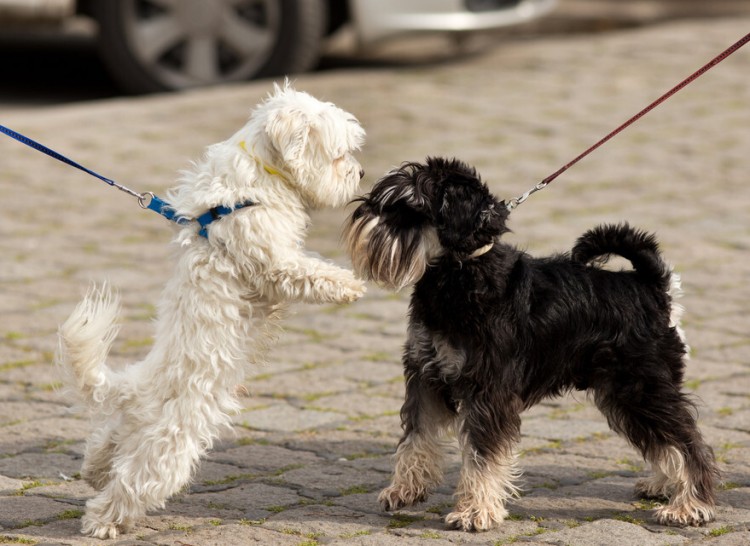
[288, 130]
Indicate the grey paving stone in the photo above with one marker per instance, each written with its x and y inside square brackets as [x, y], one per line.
[237, 500]
[331, 480]
[9, 484]
[283, 417]
[567, 429]
[260, 458]
[604, 532]
[227, 535]
[19, 512]
[40, 465]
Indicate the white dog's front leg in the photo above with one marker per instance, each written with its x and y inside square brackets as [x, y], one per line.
[310, 280]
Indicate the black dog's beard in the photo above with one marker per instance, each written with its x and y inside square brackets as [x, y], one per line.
[493, 334]
[393, 258]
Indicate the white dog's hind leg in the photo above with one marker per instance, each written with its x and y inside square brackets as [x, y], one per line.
[151, 463]
[111, 511]
[85, 339]
[97, 461]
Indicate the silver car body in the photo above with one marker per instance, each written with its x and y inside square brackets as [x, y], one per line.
[373, 20]
[378, 19]
[37, 10]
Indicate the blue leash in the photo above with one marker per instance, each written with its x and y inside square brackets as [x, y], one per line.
[146, 200]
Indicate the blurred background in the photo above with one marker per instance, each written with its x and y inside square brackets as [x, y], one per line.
[54, 51]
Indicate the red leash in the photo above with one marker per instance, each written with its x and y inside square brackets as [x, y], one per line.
[697, 74]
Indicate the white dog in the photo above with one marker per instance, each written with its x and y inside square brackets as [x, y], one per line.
[154, 419]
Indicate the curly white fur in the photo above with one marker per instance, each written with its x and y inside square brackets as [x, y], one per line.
[154, 419]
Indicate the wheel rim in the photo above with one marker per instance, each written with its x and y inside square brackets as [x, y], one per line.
[186, 43]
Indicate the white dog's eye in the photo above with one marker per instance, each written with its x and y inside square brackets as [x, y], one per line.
[339, 162]
[345, 164]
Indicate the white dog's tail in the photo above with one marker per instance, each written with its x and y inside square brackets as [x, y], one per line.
[84, 342]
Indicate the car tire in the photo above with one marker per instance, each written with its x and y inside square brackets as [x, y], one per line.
[165, 45]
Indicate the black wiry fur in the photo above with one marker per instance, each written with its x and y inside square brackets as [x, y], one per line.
[492, 335]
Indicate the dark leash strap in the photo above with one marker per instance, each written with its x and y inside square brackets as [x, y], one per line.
[146, 200]
[513, 203]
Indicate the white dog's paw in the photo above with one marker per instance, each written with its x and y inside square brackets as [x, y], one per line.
[94, 528]
[352, 291]
[339, 286]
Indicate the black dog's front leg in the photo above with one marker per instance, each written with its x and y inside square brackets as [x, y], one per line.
[490, 426]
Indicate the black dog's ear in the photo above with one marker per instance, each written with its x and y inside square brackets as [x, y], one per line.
[408, 186]
[470, 217]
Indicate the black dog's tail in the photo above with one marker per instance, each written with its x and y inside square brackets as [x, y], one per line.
[639, 247]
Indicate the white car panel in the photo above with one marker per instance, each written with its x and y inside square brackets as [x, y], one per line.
[377, 19]
[38, 10]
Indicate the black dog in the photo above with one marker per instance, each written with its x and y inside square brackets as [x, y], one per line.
[493, 331]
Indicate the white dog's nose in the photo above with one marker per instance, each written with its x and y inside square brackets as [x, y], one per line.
[361, 174]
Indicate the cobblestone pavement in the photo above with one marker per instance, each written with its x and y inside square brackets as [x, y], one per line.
[313, 446]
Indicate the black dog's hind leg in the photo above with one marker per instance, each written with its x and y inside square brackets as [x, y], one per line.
[659, 420]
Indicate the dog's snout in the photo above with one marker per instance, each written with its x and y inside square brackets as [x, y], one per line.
[361, 174]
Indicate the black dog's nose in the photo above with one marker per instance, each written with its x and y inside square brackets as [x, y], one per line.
[361, 174]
